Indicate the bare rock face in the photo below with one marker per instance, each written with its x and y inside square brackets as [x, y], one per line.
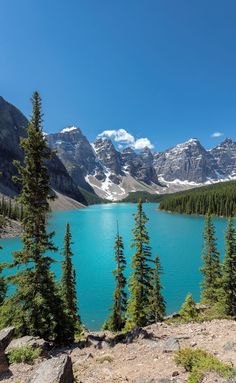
[12, 128]
[6, 336]
[109, 157]
[76, 153]
[31, 341]
[188, 161]
[225, 157]
[54, 370]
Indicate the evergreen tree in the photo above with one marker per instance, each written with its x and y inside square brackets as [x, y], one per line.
[229, 271]
[188, 310]
[3, 285]
[116, 321]
[35, 307]
[156, 301]
[140, 280]
[68, 282]
[211, 268]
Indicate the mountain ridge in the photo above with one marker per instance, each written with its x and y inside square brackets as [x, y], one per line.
[103, 170]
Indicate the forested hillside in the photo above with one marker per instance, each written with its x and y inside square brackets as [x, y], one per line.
[144, 196]
[218, 199]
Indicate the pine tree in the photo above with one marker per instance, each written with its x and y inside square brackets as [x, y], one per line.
[140, 280]
[35, 307]
[229, 271]
[157, 305]
[211, 268]
[116, 321]
[188, 310]
[68, 282]
[3, 284]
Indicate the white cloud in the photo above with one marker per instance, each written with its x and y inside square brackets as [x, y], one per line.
[142, 143]
[125, 138]
[217, 134]
[120, 135]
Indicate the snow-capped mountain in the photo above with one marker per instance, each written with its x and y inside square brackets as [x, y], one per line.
[189, 162]
[102, 169]
[225, 157]
[12, 128]
[111, 174]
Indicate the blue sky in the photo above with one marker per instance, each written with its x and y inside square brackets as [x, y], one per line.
[164, 70]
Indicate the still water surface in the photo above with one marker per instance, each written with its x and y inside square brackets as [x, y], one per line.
[176, 238]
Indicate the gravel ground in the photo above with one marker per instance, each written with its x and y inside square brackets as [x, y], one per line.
[148, 360]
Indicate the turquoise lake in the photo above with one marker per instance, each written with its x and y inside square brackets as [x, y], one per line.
[176, 238]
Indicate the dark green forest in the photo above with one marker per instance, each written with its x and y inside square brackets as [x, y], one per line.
[144, 196]
[218, 199]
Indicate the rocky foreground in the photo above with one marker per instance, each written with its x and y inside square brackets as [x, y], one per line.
[142, 356]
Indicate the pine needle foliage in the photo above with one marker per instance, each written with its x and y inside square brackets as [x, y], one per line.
[35, 307]
[116, 321]
[68, 282]
[140, 281]
[211, 268]
[188, 311]
[229, 271]
[157, 306]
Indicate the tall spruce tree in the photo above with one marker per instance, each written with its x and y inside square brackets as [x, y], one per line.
[140, 284]
[35, 307]
[68, 282]
[116, 321]
[211, 268]
[229, 271]
[3, 284]
[157, 305]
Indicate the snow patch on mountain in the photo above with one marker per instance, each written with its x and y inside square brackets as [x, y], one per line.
[69, 129]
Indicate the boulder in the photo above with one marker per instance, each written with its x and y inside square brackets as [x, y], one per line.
[4, 366]
[54, 370]
[136, 333]
[171, 345]
[6, 336]
[31, 341]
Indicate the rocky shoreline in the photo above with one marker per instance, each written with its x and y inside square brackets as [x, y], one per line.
[12, 229]
[140, 356]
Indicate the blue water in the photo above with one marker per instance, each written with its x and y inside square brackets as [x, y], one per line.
[176, 238]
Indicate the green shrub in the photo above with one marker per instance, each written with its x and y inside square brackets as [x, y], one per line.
[188, 311]
[104, 358]
[26, 354]
[199, 362]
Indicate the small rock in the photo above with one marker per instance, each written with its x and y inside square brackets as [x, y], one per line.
[193, 344]
[171, 345]
[6, 336]
[54, 370]
[175, 373]
[230, 346]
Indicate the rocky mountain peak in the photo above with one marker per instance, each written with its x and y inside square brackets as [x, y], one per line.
[225, 156]
[108, 155]
[71, 129]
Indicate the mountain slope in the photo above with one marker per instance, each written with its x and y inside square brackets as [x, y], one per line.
[100, 168]
[12, 128]
[218, 199]
[225, 157]
[187, 162]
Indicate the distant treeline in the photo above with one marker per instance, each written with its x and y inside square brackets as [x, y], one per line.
[218, 199]
[144, 196]
[10, 209]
